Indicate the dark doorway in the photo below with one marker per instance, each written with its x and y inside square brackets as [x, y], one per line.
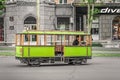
[79, 23]
[80, 12]
[1, 29]
[116, 28]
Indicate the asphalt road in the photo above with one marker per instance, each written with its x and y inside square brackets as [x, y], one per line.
[96, 69]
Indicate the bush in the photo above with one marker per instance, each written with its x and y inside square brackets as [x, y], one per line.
[97, 45]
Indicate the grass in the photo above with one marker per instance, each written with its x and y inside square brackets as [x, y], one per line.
[7, 48]
[94, 44]
[7, 53]
[106, 55]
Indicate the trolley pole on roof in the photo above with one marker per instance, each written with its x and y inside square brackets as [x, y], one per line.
[38, 13]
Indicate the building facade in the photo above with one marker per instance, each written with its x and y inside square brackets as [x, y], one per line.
[106, 24]
[61, 15]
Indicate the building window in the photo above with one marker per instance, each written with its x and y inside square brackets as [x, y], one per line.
[95, 29]
[11, 18]
[30, 20]
[11, 28]
[116, 28]
[63, 23]
[63, 1]
[33, 27]
[30, 23]
[95, 26]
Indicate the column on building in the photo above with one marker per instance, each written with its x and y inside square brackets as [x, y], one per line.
[106, 27]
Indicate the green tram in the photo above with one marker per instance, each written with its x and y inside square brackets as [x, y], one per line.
[36, 47]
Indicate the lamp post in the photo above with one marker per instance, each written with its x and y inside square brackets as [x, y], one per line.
[38, 14]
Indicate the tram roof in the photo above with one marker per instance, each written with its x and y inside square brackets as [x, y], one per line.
[54, 32]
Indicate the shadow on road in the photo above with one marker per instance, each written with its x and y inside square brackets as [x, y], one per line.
[54, 65]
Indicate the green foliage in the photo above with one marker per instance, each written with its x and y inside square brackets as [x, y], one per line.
[96, 11]
[2, 6]
[91, 1]
[106, 55]
[7, 53]
[7, 48]
[97, 44]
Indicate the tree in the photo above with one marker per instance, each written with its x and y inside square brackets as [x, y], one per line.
[2, 6]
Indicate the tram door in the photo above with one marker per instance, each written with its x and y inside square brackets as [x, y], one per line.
[59, 48]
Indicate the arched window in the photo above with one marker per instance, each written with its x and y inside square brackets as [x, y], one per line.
[116, 28]
[30, 23]
[30, 20]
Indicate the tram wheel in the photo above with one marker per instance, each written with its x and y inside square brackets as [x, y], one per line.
[84, 61]
[28, 63]
[33, 62]
[70, 62]
[37, 64]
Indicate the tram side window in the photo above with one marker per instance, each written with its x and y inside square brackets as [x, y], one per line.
[59, 37]
[34, 37]
[26, 37]
[83, 42]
